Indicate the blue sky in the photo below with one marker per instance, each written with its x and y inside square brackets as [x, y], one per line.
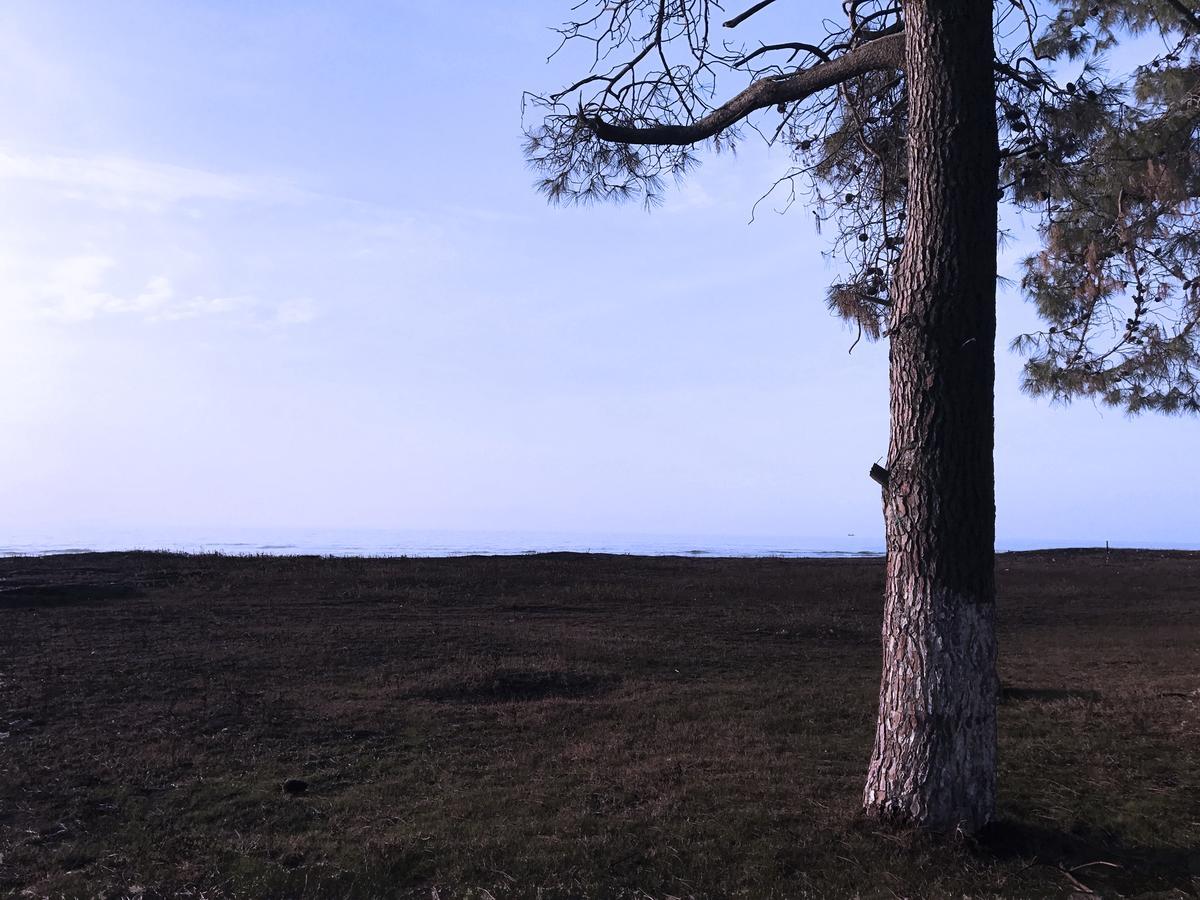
[281, 264]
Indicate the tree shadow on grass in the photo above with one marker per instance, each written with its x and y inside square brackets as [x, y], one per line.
[1092, 859]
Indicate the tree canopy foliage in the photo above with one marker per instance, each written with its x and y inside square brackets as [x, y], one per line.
[1103, 160]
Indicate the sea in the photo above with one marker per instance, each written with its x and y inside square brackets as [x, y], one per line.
[292, 541]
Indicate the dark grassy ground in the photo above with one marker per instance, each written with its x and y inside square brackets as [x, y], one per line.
[567, 726]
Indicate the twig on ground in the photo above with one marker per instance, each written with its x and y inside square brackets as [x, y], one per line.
[1075, 881]
[1099, 862]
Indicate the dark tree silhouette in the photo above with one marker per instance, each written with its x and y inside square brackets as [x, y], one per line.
[909, 120]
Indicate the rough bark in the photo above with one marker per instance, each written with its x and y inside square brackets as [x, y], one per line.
[934, 762]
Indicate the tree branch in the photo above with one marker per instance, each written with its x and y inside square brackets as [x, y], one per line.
[884, 53]
[1192, 17]
[739, 19]
[795, 46]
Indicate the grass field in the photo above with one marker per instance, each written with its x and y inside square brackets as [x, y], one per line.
[569, 726]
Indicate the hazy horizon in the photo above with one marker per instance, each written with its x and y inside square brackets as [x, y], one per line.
[292, 541]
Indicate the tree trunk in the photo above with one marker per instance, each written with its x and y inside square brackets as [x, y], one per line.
[934, 762]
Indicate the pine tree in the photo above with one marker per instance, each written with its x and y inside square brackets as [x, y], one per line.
[908, 122]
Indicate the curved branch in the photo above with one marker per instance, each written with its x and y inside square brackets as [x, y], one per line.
[884, 53]
[795, 46]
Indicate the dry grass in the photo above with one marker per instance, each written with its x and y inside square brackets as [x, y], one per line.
[567, 726]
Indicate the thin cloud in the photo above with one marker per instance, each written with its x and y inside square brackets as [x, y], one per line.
[77, 290]
[124, 182]
[74, 292]
[295, 312]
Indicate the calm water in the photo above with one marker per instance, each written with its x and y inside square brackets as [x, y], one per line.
[356, 542]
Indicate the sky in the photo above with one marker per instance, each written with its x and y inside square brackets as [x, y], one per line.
[281, 264]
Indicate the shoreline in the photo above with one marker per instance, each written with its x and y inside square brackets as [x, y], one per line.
[432, 543]
[1072, 551]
